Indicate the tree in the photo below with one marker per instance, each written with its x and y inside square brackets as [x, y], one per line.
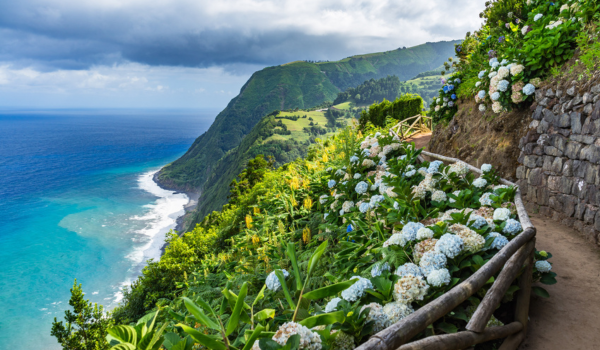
[86, 327]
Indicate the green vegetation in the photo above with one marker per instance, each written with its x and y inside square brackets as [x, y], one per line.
[371, 91]
[520, 43]
[324, 242]
[403, 107]
[86, 326]
[294, 85]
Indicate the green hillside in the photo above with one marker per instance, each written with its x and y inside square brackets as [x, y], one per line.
[264, 139]
[287, 87]
[403, 63]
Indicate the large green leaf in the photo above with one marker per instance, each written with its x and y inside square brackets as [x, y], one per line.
[201, 317]
[260, 295]
[239, 306]
[124, 334]
[264, 314]
[329, 290]
[291, 253]
[324, 319]
[268, 344]
[186, 343]
[203, 339]
[123, 346]
[447, 327]
[253, 337]
[314, 259]
[540, 292]
[286, 292]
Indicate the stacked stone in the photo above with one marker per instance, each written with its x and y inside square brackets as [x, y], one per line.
[560, 157]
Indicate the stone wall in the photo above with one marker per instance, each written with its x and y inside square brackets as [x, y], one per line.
[559, 174]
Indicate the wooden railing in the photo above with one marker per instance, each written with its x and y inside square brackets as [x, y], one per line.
[510, 259]
[411, 126]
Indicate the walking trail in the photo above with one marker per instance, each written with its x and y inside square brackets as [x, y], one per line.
[570, 318]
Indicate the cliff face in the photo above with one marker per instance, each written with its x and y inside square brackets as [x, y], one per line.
[479, 138]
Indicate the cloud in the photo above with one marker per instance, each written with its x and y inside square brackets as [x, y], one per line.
[76, 34]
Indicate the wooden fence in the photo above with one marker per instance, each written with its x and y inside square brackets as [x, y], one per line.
[411, 126]
[518, 253]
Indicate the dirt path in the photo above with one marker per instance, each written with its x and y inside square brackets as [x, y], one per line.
[570, 318]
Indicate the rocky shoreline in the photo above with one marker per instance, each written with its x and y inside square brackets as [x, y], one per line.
[189, 207]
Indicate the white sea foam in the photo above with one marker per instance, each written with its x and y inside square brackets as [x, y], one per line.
[159, 218]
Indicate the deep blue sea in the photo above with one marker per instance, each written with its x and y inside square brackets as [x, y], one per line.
[77, 200]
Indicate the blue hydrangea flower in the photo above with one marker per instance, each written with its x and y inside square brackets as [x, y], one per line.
[377, 134]
[493, 60]
[495, 96]
[503, 85]
[366, 152]
[357, 176]
[450, 87]
[504, 62]
[331, 183]
[332, 305]
[361, 187]
[349, 228]
[501, 39]
[378, 269]
[409, 269]
[376, 185]
[543, 266]
[481, 74]
[481, 94]
[432, 261]
[272, 281]
[410, 230]
[354, 159]
[357, 290]
[477, 221]
[445, 88]
[363, 207]
[450, 104]
[453, 96]
[434, 166]
[499, 242]
[396, 205]
[528, 89]
[495, 65]
[325, 216]
[375, 200]
[450, 245]
[340, 172]
[457, 81]
[410, 173]
[512, 227]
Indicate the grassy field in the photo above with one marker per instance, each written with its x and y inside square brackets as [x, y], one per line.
[296, 126]
[344, 106]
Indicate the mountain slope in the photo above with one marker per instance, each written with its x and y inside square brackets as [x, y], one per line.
[289, 86]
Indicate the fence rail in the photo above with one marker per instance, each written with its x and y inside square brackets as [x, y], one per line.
[405, 129]
[510, 259]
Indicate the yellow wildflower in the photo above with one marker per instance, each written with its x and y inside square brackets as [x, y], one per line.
[294, 183]
[306, 235]
[255, 239]
[325, 158]
[308, 203]
[248, 221]
[256, 210]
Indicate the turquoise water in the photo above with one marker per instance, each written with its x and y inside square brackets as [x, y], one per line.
[77, 200]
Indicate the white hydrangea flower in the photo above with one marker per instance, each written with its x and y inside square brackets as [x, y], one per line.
[332, 305]
[308, 339]
[473, 242]
[503, 72]
[397, 311]
[480, 182]
[452, 200]
[424, 233]
[460, 168]
[501, 214]
[450, 245]
[485, 199]
[410, 288]
[517, 69]
[543, 266]
[477, 84]
[376, 315]
[323, 199]
[368, 163]
[439, 196]
[537, 17]
[357, 290]
[347, 206]
[482, 107]
[396, 239]
[524, 30]
[486, 168]
[272, 281]
[438, 278]
[497, 107]
[356, 176]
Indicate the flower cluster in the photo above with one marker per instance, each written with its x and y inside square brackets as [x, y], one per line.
[272, 281]
[357, 290]
[308, 339]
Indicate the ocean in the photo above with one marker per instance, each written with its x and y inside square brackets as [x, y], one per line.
[77, 200]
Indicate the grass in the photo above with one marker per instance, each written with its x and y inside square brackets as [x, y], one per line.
[344, 106]
[296, 126]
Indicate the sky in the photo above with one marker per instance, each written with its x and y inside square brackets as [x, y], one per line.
[194, 53]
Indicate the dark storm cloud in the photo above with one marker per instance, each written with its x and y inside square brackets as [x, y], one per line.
[66, 34]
